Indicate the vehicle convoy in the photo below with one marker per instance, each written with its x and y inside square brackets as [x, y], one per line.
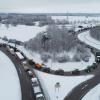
[38, 93]
[34, 81]
[37, 90]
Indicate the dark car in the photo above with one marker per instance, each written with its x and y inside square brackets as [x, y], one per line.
[76, 72]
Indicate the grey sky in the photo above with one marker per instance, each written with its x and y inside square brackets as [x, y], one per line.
[49, 6]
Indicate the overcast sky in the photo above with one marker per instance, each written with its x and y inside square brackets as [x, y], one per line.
[33, 6]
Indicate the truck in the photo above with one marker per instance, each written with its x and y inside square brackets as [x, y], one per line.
[38, 93]
[40, 96]
[34, 81]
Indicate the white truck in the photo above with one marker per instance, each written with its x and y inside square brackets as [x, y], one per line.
[37, 90]
[34, 81]
[38, 93]
[40, 96]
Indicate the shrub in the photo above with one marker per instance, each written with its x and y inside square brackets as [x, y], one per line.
[77, 58]
[45, 57]
[63, 59]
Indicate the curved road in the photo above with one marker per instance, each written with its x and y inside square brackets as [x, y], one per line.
[76, 94]
[80, 91]
[26, 87]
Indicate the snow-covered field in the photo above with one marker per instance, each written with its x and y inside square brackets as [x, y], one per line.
[93, 94]
[75, 18]
[21, 32]
[9, 81]
[69, 66]
[86, 38]
[24, 33]
[48, 83]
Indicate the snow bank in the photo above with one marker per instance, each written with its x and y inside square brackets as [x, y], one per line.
[67, 84]
[93, 94]
[9, 81]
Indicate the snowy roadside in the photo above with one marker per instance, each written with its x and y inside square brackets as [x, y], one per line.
[67, 84]
[93, 94]
[10, 88]
[86, 38]
[68, 66]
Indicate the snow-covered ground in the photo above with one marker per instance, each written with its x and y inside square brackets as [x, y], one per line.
[9, 81]
[93, 94]
[20, 32]
[68, 66]
[48, 83]
[86, 38]
[24, 33]
[76, 18]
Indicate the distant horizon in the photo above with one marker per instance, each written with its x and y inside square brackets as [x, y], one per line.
[51, 12]
[53, 6]
[58, 14]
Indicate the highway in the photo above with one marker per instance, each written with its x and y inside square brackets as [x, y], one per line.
[26, 86]
[82, 89]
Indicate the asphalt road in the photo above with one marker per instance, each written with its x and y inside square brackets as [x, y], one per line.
[82, 89]
[26, 87]
[76, 94]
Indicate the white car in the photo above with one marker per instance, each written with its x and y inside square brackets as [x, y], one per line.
[40, 96]
[11, 51]
[34, 81]
[30, 73]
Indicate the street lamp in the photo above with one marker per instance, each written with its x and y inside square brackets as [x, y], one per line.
[57, 86]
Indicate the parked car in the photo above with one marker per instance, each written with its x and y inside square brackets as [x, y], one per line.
[11, 51]
[40, 96]
[12, 41]
[97, 54]
[37, 89]
[98, 59]
[94, 66]
[30, 73]
[45, 69]
[5, 38]
[26, 68]
[4, 45]
[59, 72]
[34, 81]
[0, 45]
[76, 72]
[88, 69]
